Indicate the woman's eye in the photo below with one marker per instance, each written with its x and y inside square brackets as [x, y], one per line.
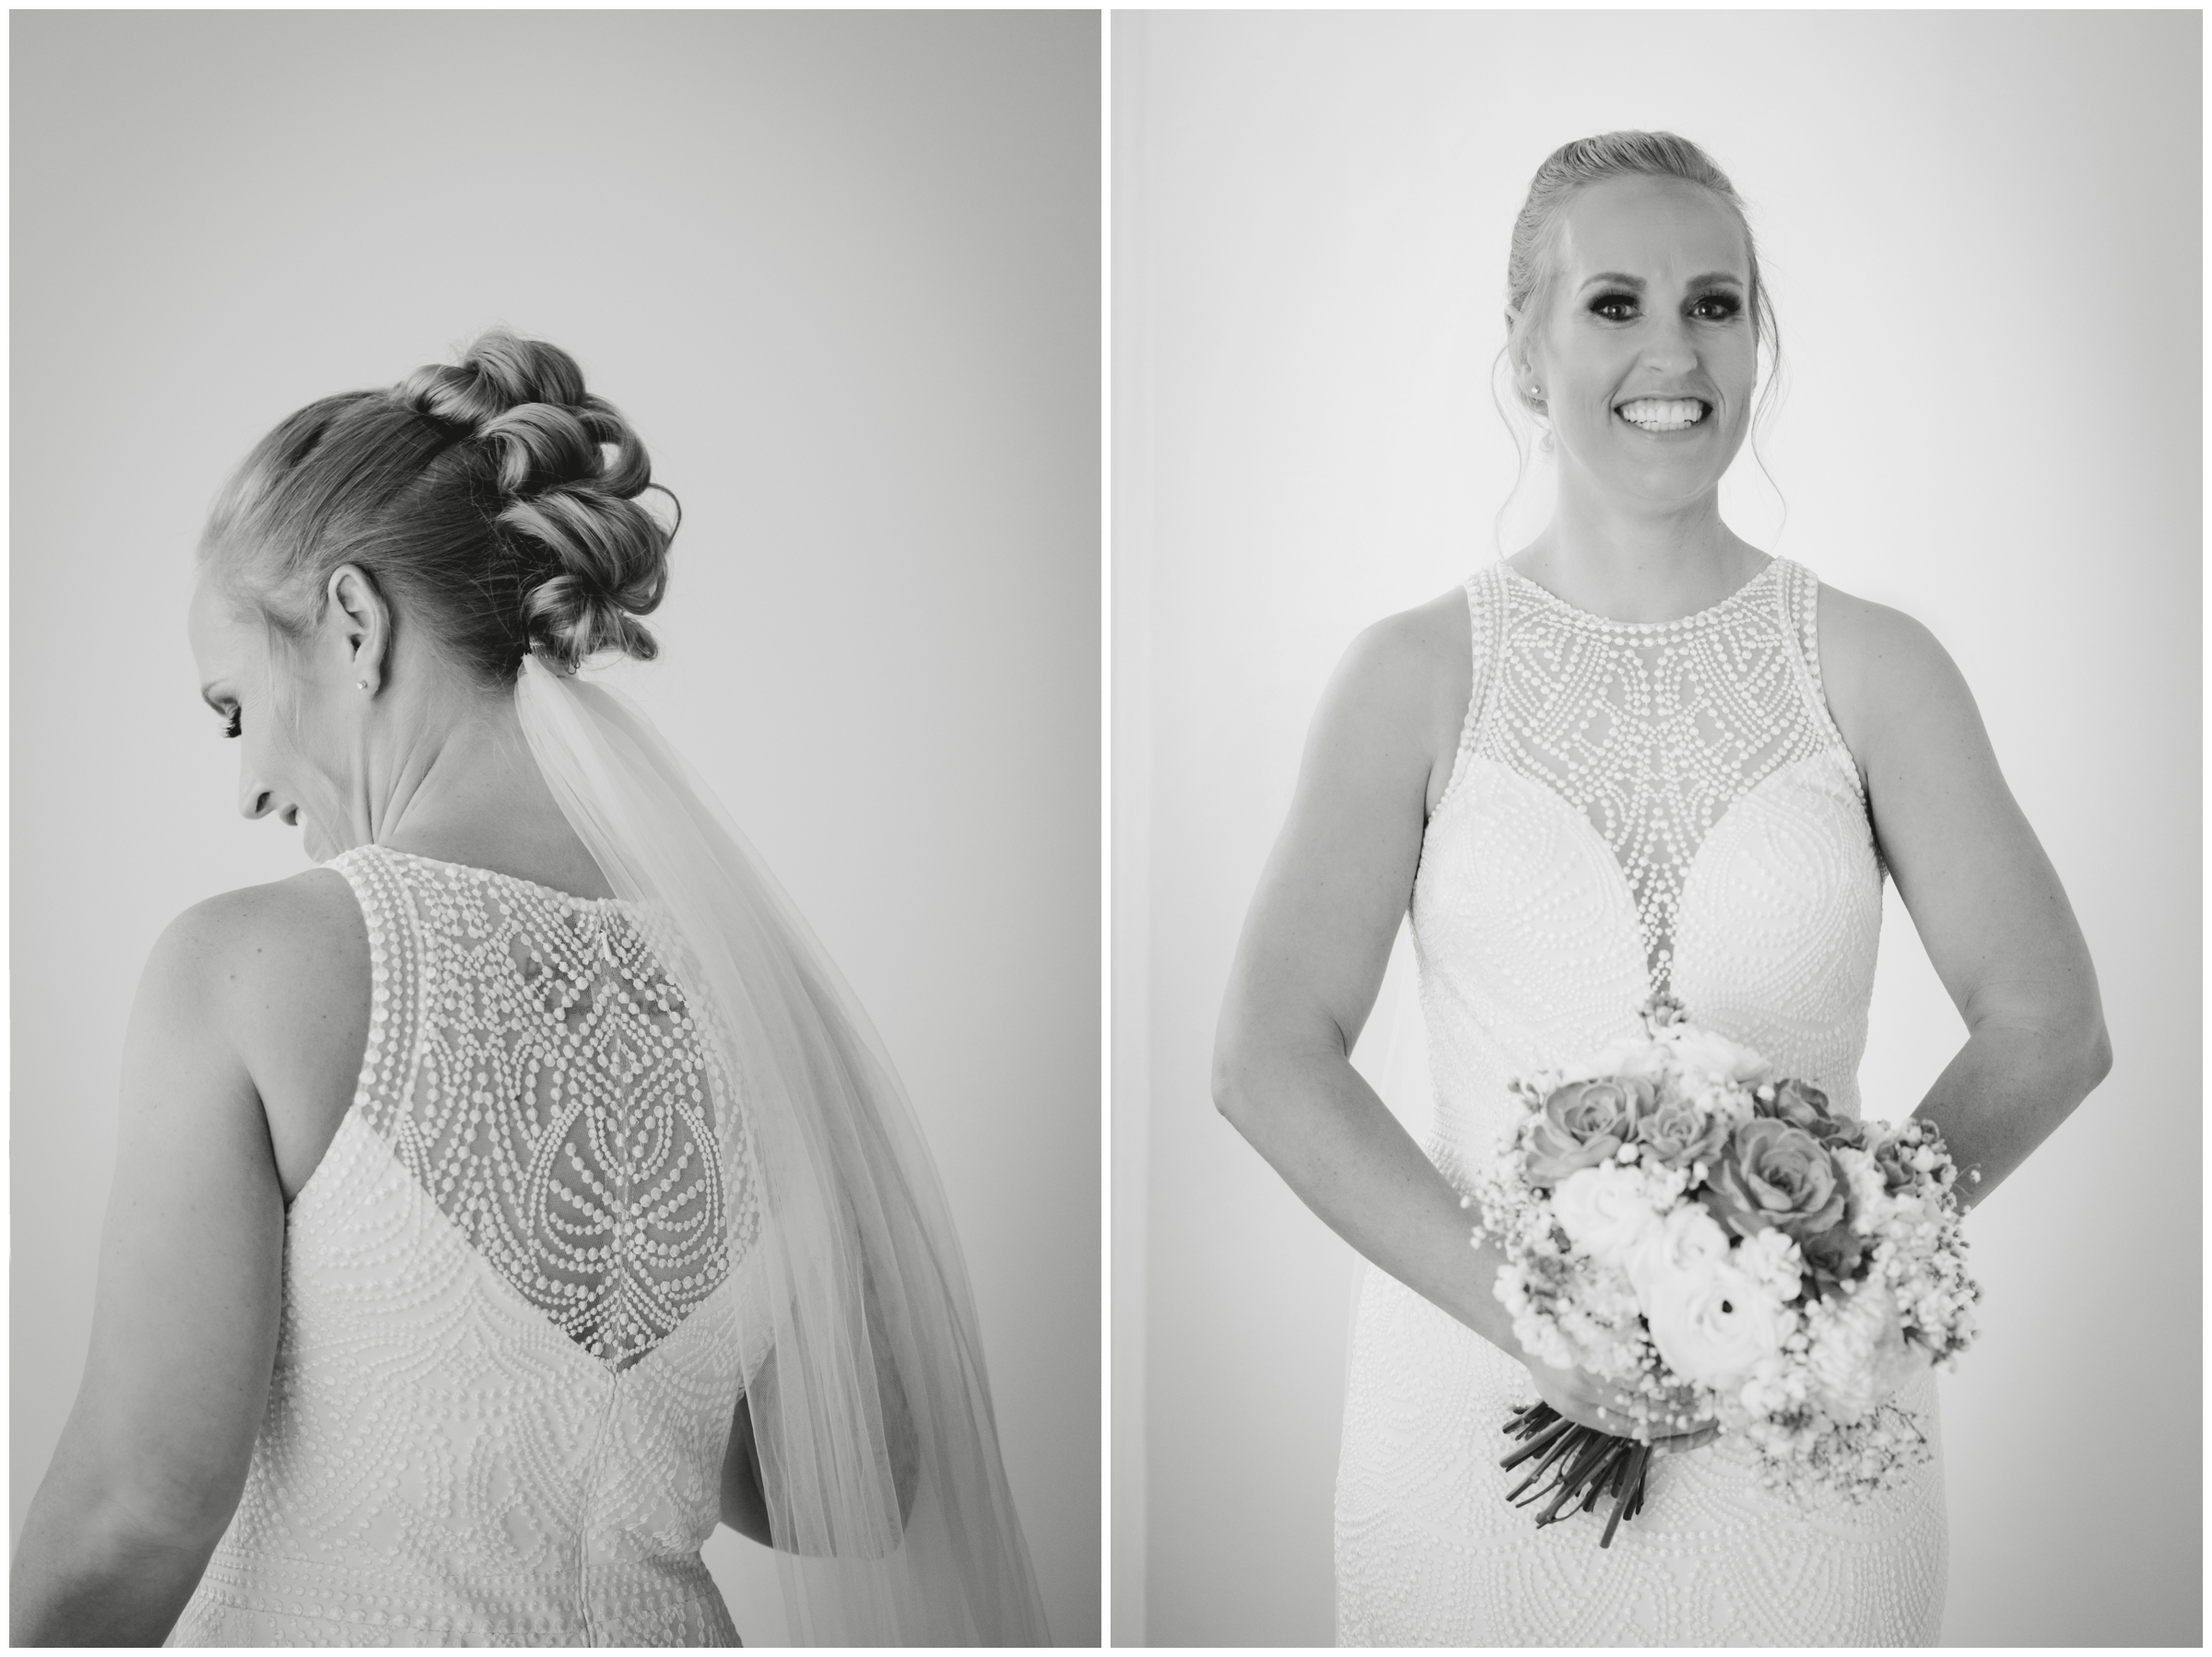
[231, 724]
[1717, 307]
[1614, 307]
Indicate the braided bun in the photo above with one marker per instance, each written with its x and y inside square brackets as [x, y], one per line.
[494, 501]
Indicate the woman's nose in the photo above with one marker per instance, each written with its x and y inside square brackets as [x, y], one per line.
[1668, 346]
[254, 800]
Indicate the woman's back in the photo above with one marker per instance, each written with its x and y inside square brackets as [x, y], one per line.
[510, 1354]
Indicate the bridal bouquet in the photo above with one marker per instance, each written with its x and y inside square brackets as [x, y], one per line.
[1679, 1219]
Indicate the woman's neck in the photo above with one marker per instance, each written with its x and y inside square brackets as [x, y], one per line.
[471, 792]
[1635, 563]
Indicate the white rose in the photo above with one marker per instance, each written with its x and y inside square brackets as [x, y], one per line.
[1603, 1209]
[1702, 1052]
[1713, 1323]
[1632, 1057]
[1687, 1239]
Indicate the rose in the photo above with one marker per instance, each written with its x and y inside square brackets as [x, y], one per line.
[1832, 1256]
[1681, 1133]
[1686, 1242]
[1604, 1210]
[1894, 1158]
[1702, 1052]
[1800, 1104]
[1772, 1174]
[1632, 1057]
[1711, 1322]
[1804, 1106]
[1583, 1123]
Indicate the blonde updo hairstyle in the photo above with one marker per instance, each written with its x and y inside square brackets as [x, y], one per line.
[1532, 262]
[493, 503]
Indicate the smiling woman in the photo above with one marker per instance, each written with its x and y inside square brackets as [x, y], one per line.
[1639, 759]
[1635, 318]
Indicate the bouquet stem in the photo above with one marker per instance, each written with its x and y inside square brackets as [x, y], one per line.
[1590, 1465]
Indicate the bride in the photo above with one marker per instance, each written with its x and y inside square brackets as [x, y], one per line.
[504, 1203]
[1637, 755]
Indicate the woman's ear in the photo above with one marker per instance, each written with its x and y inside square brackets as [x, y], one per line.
[361, 625]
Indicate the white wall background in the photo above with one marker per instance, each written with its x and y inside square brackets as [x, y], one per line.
[842, 272]
[1982, 230]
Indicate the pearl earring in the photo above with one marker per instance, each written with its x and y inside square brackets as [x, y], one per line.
[363, 684]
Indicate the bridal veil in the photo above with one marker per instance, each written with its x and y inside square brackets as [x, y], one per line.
[872, 1397]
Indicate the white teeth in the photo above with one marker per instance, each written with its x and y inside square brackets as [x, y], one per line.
[1664, 414]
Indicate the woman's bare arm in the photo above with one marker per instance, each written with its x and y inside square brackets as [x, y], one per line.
[154, 1454]
[1314, 948]
[1987, 904]
[241, 1052]
[1315, 945]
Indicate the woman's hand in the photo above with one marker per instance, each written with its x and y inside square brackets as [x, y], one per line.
[1610, 1407]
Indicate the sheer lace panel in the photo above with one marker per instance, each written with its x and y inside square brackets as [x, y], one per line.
[1650, 729]
[1629, 803]
[555, 1100]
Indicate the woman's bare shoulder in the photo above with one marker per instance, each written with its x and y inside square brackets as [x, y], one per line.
[1415, 661]
[273, 980]
[271, 966]
[1879, 666]
[291, 934]
[1399, 696]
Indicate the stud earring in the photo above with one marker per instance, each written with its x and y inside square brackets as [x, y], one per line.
[363, 684]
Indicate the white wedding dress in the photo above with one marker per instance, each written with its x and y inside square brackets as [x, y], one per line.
[511, 1344]
[1634, 807]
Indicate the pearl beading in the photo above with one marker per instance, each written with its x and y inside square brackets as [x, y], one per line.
[556, 1099]
[522, 1293]
[1633, 806]
[1651, 730]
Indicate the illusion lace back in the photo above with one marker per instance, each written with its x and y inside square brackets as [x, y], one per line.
[1634, 807]
[509, 1350]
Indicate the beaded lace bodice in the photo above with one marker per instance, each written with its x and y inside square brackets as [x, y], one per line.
[1651, 732]
[1633, 807]
[559, 1111]
[1640, 807]
[511, 1345]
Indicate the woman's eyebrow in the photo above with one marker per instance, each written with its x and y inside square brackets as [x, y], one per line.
[1637, 284]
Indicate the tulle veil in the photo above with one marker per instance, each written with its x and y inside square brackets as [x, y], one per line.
[856, 1287]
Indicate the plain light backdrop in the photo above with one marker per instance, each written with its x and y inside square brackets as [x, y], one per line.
[842, 272]
[1982, 235]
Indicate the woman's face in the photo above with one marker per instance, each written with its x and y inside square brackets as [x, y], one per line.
[294, 748]
[1645, 353]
